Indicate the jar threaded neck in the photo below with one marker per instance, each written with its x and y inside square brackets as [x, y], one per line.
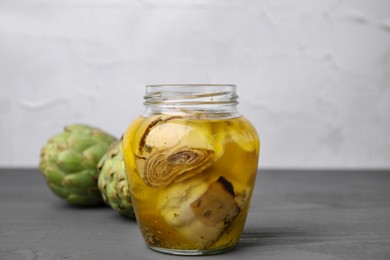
[212, 100]
[190, 94]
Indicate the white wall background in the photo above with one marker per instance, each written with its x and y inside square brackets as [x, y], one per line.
[313, 76]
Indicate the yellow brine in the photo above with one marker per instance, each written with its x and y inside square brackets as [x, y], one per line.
[191, 179]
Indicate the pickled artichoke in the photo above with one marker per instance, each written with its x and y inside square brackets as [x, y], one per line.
[173, 150]
[68, 162]
[112, 181]
[199, 211]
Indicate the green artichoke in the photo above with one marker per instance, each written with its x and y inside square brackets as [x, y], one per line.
[112, 181]
[68, 162]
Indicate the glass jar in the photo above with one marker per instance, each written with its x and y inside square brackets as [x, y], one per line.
[191, 161]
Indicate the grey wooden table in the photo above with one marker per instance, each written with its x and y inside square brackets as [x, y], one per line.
[294, 215]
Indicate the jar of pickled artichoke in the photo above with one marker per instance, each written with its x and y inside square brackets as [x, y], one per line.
[191, 162]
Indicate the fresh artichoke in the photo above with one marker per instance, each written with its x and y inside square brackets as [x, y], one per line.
[69, 163]
[112, 181]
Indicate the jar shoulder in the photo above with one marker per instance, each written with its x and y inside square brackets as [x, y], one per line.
[143, 126]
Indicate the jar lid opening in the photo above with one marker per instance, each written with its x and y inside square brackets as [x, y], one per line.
[190, 94]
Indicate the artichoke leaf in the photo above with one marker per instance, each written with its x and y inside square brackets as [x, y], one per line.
[58, 190]
[54, 175]
[80, 143]
[69, 161]
[83, 200]
[94, 153]
[80, 182]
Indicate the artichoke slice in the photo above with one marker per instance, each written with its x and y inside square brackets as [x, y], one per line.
[173, 149]
[201, 212]
[217, 204]
[239, 133]
[175, 164]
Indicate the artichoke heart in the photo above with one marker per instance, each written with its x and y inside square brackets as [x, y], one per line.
[175, 164]
[217, 204]
[201, 212]
[173, 149]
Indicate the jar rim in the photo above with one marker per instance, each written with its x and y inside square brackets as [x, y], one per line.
[190, 94]
[190, 85]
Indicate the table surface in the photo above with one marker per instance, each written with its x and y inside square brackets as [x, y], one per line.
[293, 215]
